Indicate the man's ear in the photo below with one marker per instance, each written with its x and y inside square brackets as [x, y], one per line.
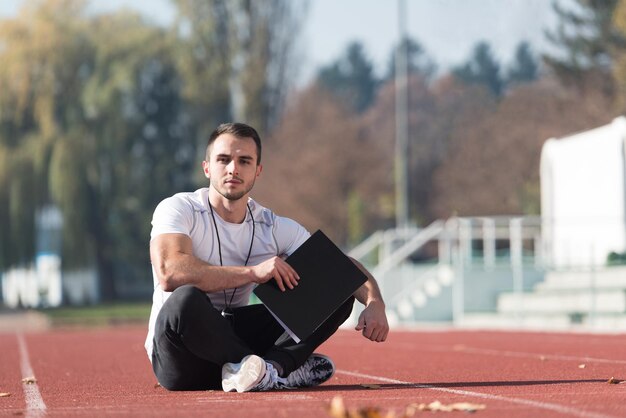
[205, 169]
[259, 168]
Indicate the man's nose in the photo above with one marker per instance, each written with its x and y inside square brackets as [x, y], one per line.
[232, 167]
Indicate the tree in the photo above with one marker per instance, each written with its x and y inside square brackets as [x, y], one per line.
[418, 62]
[482, 69]
[586, 42]
[619, 68]
[351, 78]
[45, 58]
[525, 67]
[142, 143]
[95, 124]
[493, 164]
[238, 59]
[323, 177]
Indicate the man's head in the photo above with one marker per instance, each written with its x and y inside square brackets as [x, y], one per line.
[240, 130]
[232, 161]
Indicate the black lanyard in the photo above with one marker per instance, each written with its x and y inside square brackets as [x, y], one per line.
[227, 312]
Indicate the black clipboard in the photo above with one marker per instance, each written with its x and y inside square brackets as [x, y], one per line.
[327, 279]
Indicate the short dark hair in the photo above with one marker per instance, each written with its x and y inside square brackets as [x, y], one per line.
[240, 130]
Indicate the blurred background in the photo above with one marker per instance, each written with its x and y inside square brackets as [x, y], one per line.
[471, 153]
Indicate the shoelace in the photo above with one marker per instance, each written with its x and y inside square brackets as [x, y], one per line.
[270, 379]
[304, 375]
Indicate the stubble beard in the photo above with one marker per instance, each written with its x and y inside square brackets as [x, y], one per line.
[232, 196]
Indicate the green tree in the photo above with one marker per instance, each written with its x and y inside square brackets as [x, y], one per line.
[238, 59]
[142, 148]
[525, 67]
[418, 61]
[351, 78]
[45, 56]
[482, 69]
[93, 116]
[586, 42]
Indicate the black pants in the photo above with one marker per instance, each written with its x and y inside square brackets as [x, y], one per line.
[192, 340]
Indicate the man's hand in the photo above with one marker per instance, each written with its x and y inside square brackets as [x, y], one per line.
[279, 270]
[373, 322]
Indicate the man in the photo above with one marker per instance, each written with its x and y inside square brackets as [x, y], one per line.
[209, 249]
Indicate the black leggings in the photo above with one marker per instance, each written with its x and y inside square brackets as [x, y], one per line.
[192, 340]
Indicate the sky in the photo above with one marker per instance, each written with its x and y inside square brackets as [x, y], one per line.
[446, 29]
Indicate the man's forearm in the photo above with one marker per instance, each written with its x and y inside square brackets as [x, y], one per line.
[187, 269]
[369, 291]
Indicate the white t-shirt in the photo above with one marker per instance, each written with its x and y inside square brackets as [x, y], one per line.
[189, 214]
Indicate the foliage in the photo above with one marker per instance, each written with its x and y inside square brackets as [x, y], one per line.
[493, 164]
[418, 61]
[586, 42]
[351, 78]
[482, 69]
[525, 68]
[314, 175]
[105, 115]
[238, 59]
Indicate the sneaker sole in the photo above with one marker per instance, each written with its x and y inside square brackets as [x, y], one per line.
[244, 376]
[332, 363]
[319, 382]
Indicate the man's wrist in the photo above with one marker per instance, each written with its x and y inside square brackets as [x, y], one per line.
[375, 301]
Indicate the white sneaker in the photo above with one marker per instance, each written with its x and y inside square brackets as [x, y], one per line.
[251, 374]
[316, 370]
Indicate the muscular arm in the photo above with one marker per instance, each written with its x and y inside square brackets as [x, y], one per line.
[175, 265]
[373, 319]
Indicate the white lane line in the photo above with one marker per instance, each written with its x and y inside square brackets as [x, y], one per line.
[35, 406]
[462, 348]
[526, 402]
[506, 353]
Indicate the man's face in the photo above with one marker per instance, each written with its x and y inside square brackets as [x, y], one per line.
[232, 167]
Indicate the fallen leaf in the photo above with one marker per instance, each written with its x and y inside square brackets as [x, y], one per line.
[581, 366]
[29, 380]
[4, 395]
[437, 406]
[370, 386]
[157, 385]
[614, 381]
[337, 409]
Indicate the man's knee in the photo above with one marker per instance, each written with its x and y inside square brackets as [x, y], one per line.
[185, 301]
[345, 310]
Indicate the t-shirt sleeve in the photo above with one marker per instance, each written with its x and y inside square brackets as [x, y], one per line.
[289, 235]
[173, 215]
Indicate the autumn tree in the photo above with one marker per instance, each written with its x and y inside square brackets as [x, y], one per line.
[323, 176]
[619, 67]
[493, 165]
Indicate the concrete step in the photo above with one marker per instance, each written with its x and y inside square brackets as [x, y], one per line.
[605, 278]
[492, 320]
[564, 302]
[547, 322]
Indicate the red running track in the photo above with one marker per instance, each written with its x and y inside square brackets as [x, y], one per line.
[514, 374]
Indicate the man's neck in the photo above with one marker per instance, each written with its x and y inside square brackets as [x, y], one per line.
[233, 211]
